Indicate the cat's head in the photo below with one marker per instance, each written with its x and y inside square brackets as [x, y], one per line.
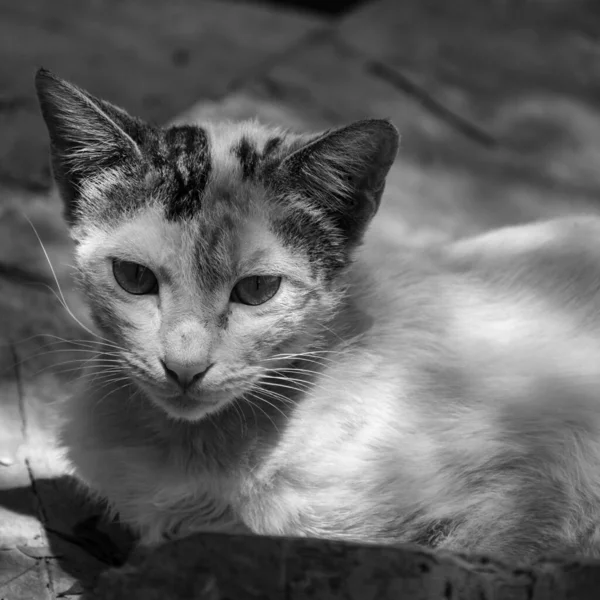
[209, 254]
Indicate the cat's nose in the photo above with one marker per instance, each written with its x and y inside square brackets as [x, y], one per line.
[184, 375]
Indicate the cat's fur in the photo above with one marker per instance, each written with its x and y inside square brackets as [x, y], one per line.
[448, 398]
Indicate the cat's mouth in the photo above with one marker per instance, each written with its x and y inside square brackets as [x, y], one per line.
[193, 404]
[190, 406]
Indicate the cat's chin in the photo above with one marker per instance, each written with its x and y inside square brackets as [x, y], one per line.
[190, 408]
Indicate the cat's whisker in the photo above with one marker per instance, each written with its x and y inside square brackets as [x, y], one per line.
[77, 370]
[40, 354]
[253, 397]
[285, 400]
[283, 365]
[110, 376]
[305, 353]
[68, 343]
[60, 298]
[91, 365]
[346, 342]
[266, 397]
[111, 391]
[303, 389]
[306, 386]
[58, 340]
[35, 336]
[29, 357]
[313, 378]
[99, 347]
[303, 356]
[253, 411]
[64, 371]
[271, 379]
[94, 361]
[262, 391]
[240, 413]
[73, 361]
[318, 374]
[106, 379]
[45, 368]
[77, 374]
[71, 350]
[329, 330]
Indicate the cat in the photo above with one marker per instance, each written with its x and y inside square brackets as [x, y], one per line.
[265, 366]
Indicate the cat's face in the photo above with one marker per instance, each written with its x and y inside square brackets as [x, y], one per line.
[230, 301]
[210, 255]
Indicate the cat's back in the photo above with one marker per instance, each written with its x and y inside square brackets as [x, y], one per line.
[557, 259]
[516, 287]
[525, 314]
[507, 318]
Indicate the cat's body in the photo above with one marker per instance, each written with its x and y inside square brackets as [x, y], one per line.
[465, 415]
[446, 397]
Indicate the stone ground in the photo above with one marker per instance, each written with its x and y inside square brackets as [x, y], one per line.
[498, 103]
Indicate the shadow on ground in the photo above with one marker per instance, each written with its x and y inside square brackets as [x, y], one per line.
[83, 548]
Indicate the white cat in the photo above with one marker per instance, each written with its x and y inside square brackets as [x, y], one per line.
[261, 370]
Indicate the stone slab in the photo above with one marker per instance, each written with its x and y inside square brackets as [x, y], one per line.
[217, 567]
[19, 524]
[23, 577]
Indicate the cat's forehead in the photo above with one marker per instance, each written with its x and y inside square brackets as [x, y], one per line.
[203, 209]
[209, 170]
[199, 166]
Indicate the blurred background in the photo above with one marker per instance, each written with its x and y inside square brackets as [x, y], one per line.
[497, 101]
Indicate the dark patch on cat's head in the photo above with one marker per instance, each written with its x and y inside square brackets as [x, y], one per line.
[254, 162]
[188, 164]
[271, 146]
[247, 154]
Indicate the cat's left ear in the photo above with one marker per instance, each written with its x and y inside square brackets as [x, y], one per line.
[88, 136]
[342, 173]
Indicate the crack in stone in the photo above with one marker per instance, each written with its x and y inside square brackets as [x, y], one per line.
[403, 83]
[42, 514]
[15, 577]
[265, 67]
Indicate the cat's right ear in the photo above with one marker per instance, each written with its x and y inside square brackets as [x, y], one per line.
[89, 137]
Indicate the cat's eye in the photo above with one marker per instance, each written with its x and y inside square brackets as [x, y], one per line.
[255, 290]
[134, 278]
